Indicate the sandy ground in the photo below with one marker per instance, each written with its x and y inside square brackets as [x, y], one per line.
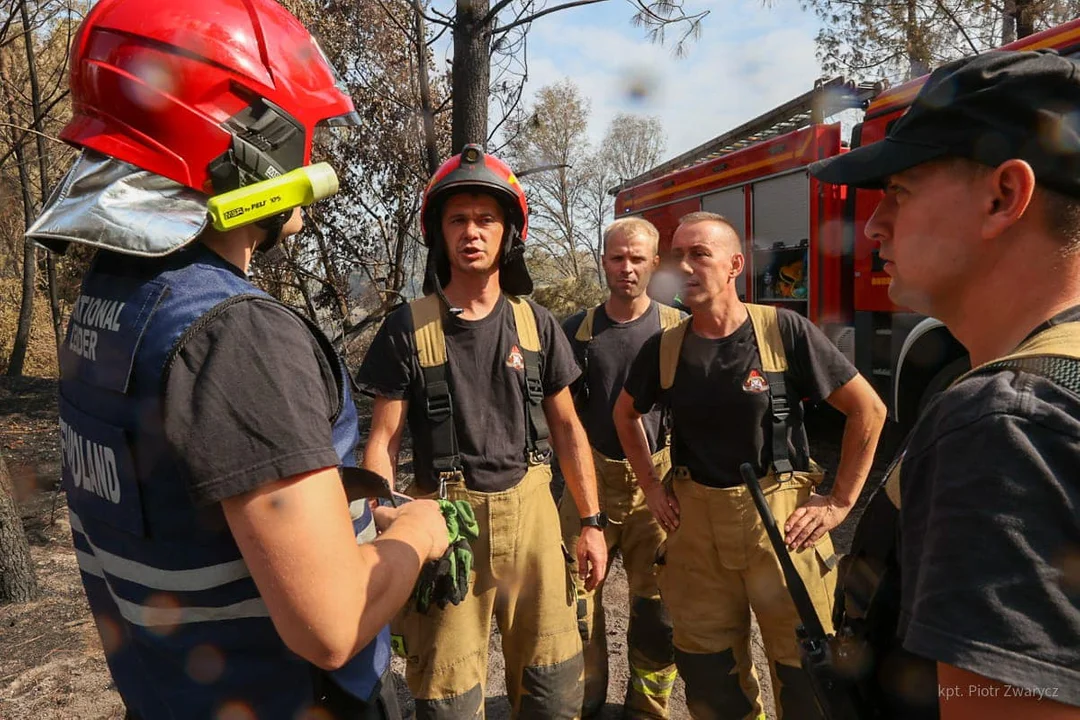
[51, 664]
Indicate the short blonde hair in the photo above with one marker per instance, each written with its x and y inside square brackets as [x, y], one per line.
[701, 216]
[633, 226]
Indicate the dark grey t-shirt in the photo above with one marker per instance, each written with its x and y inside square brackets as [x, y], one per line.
[487, 388]
[990, 531]
[606, 363]
[250, 399]
[720, 409]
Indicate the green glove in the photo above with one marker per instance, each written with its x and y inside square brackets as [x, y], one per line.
[460, 519]
[446, 580]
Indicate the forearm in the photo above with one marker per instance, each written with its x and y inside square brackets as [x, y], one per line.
[861, 432]
[381, 457]
[635, 445]
[393, 562]
[575, 458]
[384, 440]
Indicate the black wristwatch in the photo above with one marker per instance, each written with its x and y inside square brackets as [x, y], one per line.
[599, 520]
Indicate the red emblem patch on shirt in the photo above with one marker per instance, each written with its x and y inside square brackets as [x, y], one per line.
[516, 360]
[755, 383]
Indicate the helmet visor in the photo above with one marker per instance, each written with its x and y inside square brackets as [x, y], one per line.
[332, 134]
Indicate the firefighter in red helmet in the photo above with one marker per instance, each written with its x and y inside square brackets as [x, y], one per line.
[475, 169]
[480, 374]
[204, 423]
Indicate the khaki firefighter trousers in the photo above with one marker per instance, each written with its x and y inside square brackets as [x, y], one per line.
[716, 566]
[522, 576]
[636, 534]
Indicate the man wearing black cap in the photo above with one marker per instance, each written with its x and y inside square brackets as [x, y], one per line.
[481, 374]
[980, 227]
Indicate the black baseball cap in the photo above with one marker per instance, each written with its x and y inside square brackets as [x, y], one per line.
[988, 108]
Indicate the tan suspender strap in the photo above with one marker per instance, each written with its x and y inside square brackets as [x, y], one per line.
[767, 332]
[536, 437]
[669, 316]
[1056, 341]
[525, 321]
[584, 331]
[774, 364]
[427, 317]
[892, 485]
[670, 345]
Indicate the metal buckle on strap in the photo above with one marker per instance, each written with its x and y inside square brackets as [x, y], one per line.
[445, 477]
[534, 389]
[438, 402]
[538, 457]
[783, 470]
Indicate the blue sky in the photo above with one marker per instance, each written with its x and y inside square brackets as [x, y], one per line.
[748, 59]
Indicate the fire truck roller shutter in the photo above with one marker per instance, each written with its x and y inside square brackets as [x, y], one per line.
[731, 203]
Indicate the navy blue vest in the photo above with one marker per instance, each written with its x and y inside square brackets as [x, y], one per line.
[185, 632]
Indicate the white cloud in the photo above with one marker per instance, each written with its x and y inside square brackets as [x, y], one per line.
[749, 59]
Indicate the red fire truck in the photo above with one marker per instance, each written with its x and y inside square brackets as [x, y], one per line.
[805, 245]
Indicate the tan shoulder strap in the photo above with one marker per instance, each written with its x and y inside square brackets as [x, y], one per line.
[1056, 341]
[767, 332]
[525, 321]
[892, 484]
[584, 331]
[670, 346]
[427, 317]
[669, 316]
[537, 448]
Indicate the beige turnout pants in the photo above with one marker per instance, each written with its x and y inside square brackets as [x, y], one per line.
[717, 565]
[634, 532]
[522, 577]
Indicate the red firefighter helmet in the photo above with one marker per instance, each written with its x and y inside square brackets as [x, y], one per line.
[473, 169]
[212, 94]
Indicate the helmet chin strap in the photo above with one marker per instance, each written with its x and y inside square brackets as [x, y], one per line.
[432, 271]
[273, 226]
[513, 247]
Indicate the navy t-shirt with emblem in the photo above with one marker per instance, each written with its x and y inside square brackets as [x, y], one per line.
[720, 399]
[486, 374]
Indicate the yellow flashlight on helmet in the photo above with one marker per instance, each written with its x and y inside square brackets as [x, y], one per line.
[252, 203]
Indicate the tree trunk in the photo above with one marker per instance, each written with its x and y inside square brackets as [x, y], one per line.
[26, 310]
[599, 252]
[471, 74]
[431, 148]
[43, 163]
[918, 61]
[18, 583]
[1008, 22]
[54, 301]
[1025, 18]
